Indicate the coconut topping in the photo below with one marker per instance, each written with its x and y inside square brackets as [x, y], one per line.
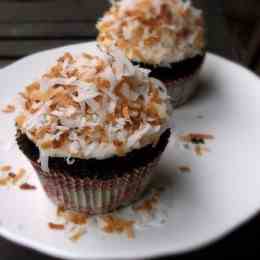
[157, 32]
[93, 106]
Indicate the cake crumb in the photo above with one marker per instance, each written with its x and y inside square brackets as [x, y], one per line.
[113, 224]
[184, 169]
[78, 234]
[8, 109]
[5, 168]
[27, 186]
[56, 226]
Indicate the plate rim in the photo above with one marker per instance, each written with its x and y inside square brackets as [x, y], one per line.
[52, 251]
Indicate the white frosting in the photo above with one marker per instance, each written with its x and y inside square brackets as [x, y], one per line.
[93, 107]
[156, 32]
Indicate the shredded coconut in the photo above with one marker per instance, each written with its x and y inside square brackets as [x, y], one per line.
[91, 106]
[157, 32]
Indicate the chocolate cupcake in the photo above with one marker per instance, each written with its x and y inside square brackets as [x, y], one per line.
[94, 127]
[165, 36]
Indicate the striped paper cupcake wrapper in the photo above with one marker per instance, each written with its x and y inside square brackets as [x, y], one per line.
[95, 196]
[182, 89]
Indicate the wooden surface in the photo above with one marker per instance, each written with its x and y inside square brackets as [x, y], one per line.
[27, 26]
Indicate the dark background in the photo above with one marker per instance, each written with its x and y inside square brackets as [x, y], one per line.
[28, 26]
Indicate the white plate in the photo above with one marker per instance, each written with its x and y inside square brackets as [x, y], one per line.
[221, 192]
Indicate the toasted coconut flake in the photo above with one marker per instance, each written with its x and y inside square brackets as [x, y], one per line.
[201, 136]
[9, 109]
[200, 150]
[76, 218]
[72, 115]
[120, 147]
[19, 175]
[54, 226]
[125, 111]
[32, 87]
[11, 175]
[60, 211]
[184, 169]
[5, 181]
[149, 204]
[20, 120]
[47, 145]
[78, 234]
[5, 168]
[195, 137]
[100, 66]
[114, 224]
[151, 31]
[73, 217]
[102, 83]
[66, 56]
[148, 42]
[63, 138]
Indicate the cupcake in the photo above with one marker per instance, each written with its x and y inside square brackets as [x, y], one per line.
[94, 127]
[165, 36]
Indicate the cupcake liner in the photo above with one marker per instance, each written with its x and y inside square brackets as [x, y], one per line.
[183, 89]
[95, 196]
[96, 186]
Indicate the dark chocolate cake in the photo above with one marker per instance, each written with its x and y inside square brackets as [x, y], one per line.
[175, 71]
[96, 169]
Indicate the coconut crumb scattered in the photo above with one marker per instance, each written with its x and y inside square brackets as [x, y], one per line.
[56, 226]
[73, 217]
[9, 178]
[149, 204]
[78, 234]
[11, 174]
[60, 211]
[114, 224]
[19, 175]
[5, 168]
[76, 219]
[200, 150]
[75, 224]
[198, 142]
[4, 181]
[196, 138]
[9, 109]
[27, 186]
[184, 169]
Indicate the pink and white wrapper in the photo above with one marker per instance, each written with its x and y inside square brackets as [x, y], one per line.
[95, 196]
[183, 89]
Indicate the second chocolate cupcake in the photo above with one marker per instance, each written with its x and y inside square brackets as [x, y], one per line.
[94, 127]
[166, 36]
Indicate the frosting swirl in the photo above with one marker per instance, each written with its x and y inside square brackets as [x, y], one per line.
[158, 32]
